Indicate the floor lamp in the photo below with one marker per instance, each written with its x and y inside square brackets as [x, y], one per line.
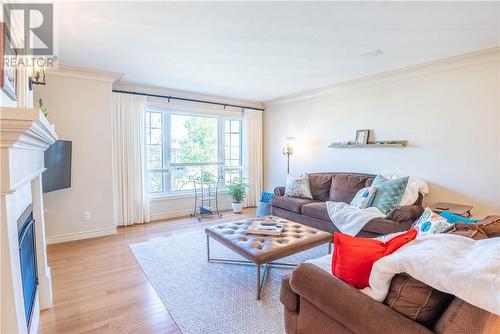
[288, 151]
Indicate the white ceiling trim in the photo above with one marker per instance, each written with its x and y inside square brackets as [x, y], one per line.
[85, 73]
[136, 87]
[469, 59]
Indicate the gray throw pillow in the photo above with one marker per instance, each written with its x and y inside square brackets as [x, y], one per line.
[298, 186]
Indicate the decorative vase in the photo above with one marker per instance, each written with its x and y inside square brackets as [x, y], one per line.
[237, 207]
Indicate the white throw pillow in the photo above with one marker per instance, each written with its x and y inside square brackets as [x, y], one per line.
[364, 197]
[298, 186]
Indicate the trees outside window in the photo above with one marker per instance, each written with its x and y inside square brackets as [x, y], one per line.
[183, 145]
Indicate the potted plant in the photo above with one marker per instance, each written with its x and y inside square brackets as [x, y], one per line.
[237, 190]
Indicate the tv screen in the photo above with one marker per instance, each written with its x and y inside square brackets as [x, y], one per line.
[58, 163]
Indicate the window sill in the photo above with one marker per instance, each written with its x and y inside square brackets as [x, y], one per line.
[164, 197]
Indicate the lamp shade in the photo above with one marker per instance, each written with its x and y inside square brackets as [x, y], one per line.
[288, 146]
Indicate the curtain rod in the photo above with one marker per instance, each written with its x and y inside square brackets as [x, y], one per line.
[186, 99]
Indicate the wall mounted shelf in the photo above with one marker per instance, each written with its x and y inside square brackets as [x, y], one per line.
[387, 143]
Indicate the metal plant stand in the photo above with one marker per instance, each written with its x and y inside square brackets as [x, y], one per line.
[206, 199]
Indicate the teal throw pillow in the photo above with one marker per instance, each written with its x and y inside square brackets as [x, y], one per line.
[453, 218]
[389, 192]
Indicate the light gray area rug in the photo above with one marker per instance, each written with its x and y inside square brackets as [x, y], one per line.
[207, 297]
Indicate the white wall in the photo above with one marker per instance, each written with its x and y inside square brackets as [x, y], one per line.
[449, 111]
[80, 108]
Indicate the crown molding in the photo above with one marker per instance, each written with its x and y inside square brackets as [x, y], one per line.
[445, 64]
[137, 87]
[85, 73]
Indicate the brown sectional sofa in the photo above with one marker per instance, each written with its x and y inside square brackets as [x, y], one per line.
[340, 187]
[315, 301]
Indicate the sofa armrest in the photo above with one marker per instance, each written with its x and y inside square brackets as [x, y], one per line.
[405, 213]
[279, 191]
[386, 226]
[287, 296]
[347, 305]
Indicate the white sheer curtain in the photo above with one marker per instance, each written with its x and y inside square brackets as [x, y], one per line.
[131, 195]
[252, 158]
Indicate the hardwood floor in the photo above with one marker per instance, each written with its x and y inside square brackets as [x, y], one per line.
[100, 288]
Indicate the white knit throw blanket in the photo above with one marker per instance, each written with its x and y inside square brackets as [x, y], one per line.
[450, 263]
[349, 219]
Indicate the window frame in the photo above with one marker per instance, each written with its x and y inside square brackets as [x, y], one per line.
[166, 169]
[223, 147]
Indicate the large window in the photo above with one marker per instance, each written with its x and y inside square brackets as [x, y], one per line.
[180, 146]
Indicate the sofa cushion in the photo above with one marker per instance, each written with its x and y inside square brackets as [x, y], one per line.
[290, 203]
[320, 185]
[316, 210]
[416, 300]
[463, 318]
[345, 186]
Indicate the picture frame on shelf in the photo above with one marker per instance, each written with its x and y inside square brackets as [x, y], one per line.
[8, 80]
[362, 137]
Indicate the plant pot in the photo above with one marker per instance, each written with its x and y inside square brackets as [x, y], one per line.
[237, 207]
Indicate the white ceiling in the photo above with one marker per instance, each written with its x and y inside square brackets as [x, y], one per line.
[264, 50]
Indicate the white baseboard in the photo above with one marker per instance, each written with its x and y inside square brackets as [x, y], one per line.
[55, 239]
[181, 213]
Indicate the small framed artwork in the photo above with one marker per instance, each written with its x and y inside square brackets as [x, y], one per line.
[362, 137]
[7, 72]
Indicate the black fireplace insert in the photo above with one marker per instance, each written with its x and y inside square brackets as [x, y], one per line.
[27, 259]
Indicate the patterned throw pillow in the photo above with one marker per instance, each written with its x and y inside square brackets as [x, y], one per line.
[364, 197]
[430, 223]
[298, 186]
[389, 192]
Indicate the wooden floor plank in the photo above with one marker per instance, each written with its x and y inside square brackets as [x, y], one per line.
[99, 287]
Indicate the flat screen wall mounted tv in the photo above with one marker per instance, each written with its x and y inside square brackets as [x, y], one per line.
[58, 166]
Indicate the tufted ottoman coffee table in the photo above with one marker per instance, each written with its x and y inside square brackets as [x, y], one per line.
[264, 249]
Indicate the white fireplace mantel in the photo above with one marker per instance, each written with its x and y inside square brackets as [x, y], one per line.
[24, 136]
[25, 128]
